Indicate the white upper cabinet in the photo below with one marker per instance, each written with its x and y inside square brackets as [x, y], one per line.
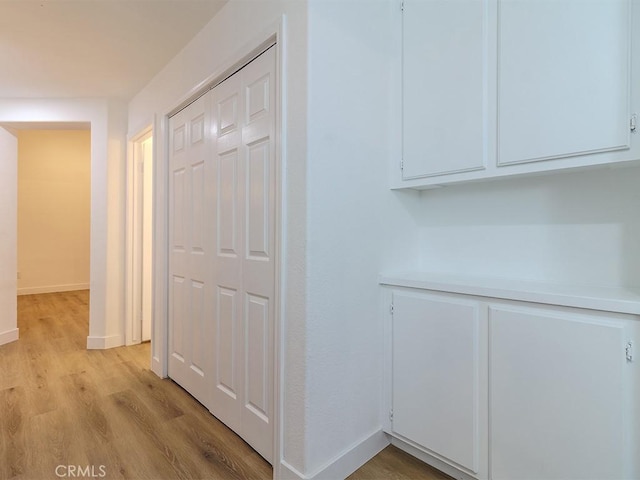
[493, 88]
[444, 86]
[563, 78]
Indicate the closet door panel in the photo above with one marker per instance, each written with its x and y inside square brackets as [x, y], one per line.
[189, 239]
[178, 268]
[226, 397]
[258, 263]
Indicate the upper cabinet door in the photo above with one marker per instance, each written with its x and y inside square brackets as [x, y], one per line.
[563, 78]
[444, 86]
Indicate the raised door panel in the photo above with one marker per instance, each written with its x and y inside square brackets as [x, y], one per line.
[439, 365]
[557, 395]
[226, 344]
[258, 201]
[257, 331]
[244, 265]
[227, 211]
[176, 328]
[198, 348]
[563, 78]
[197, 194]
[444, 86]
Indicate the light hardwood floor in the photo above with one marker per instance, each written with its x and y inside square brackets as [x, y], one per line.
[62, 405]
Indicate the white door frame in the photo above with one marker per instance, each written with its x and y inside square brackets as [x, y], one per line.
[133, 298]
[105, 327]
[273, 35]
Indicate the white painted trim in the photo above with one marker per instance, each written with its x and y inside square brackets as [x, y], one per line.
[133, 332]
[345, 463]
[353, 457]
[128, 247]
[53, 289]
[9, 336]
[159, 331]
[387, 370]
[619, 300]
[280, 281]
[241, 58]
[284, 471]
[103, 343]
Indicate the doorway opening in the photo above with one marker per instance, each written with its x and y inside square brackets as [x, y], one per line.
[53, 220]
[54, 209]
[140, 172]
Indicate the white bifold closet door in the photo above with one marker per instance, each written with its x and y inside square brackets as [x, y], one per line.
[232, 331]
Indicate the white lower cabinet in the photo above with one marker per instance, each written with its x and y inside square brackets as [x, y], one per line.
[557, 389]
[510, 390]
[439, 377]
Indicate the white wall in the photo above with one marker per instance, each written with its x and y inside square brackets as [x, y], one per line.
[8, 236]
[54, 214]
[357, 227]
[579, 228]
[108, 120]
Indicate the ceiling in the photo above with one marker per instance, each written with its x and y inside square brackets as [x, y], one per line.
[92, 48]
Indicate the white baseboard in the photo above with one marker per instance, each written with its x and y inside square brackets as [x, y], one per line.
[9, 336]
[345, 463]
[287, 472]
[53, 289]
[102, 343]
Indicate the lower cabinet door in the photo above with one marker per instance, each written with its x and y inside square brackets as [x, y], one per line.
[557, 395]
[439, 377]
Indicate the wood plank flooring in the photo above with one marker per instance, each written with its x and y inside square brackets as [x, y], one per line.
[61, 404]
[67, 408]
[394, 464]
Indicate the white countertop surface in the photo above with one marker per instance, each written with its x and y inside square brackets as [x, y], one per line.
[619, 300]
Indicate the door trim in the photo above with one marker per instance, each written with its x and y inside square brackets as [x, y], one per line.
[271, 36]
[133, 330]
